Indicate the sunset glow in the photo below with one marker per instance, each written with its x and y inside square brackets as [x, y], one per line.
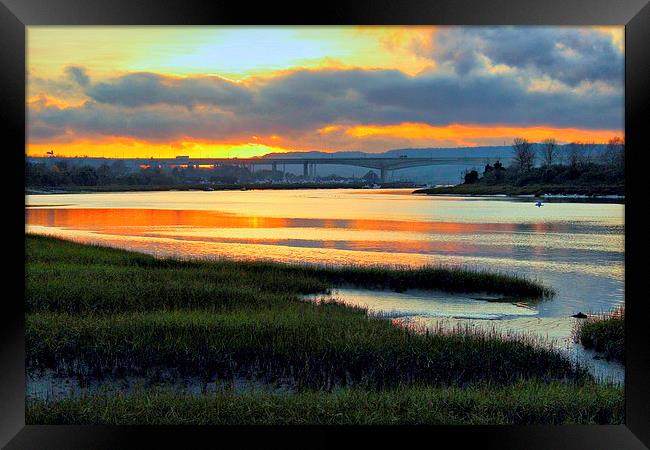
[250, 91]
[470, 134]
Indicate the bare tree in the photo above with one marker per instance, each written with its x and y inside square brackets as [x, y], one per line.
[587, 152]
[524, 154]
[614, 155]
[549, 152]
[574, 154]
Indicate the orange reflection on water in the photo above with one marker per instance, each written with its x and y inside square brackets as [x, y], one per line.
[87, 218]
[116, 217]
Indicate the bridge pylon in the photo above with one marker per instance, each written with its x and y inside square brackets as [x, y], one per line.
[383, 172]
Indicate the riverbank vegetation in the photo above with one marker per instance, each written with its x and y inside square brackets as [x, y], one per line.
[69, 176]
[604, 334]
[95, 312]
[547, 168]
[524, 402]
[68, 277]
[211, 187]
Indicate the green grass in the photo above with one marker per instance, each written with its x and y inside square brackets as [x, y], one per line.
[93, 310]
[96, 312]
[605, 334]
[315, 345]
[68, 277]
[529, 402]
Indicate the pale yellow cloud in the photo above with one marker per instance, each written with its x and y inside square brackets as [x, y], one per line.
[231, 52]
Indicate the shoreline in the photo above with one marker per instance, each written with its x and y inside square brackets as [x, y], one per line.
[537, 190]
[551, 198]
[209, 188]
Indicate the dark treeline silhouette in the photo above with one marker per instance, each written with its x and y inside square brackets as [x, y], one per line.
[547, 163]
[64, 174]
[61, 174]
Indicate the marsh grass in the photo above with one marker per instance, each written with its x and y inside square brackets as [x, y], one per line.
[524, 402]
[315, 345]
[604, 333]
[69, 277]
[96, 312]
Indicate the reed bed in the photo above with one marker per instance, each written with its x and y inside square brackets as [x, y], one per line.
[95, 312]
[521, 403]
[604, 333]
[71, 277]
[318, 346]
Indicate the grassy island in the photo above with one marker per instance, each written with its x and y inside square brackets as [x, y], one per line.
[604, 334]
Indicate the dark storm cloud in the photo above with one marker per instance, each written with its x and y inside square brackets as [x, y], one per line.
[152, 106]
[571, 56]
[140, 89]
[40, 132]
[78, 75]
[161, 124]
[358, 97]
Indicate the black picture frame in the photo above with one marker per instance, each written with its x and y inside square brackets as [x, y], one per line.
[15, 15]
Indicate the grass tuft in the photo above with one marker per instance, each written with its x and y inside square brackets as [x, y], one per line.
[604, 333]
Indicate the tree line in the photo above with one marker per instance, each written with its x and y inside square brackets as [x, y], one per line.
[63, 173]
[548, 162]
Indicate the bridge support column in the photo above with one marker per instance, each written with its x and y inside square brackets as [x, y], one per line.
[305, 170]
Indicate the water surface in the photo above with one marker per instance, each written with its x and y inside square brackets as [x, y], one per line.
[575, 247]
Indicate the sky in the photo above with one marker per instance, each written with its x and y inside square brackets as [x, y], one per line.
[249, 91]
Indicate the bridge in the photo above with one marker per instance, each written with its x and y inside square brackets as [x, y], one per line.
[384, 165]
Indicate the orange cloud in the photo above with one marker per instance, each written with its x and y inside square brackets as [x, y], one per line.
[369, 138]
[128, 148]
[471, 134]
[328, 129]
[46, 101]
[617, 34]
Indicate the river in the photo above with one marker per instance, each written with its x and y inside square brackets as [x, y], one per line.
[575, 247]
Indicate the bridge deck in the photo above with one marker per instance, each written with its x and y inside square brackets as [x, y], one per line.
[374, 163]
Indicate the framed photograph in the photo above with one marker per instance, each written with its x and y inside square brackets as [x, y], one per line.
[251, 222]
